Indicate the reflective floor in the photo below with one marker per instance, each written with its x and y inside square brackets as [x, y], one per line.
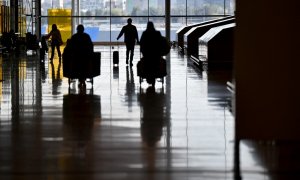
[120, 128]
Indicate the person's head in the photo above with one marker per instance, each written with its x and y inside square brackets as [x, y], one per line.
[54, 27]
[80, 28]
[150, 26]
[129, 20]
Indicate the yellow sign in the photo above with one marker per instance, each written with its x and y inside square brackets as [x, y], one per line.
[62, 18]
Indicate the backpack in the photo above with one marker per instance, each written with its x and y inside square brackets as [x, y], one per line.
[165, 46]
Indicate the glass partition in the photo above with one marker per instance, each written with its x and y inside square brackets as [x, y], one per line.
[137, 7]
[53, 4]
[176, 23]
[103, 19]
[178, 8]
[229, 7]
[62, 18]
[157, 8]
[198, 7]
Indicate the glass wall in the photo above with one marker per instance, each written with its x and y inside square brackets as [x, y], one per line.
[103, 19]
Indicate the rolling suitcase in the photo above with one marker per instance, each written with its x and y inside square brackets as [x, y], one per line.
[96, 64]
[116, 57]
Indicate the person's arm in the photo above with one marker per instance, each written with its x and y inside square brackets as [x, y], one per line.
[48, 35]
[136, 36]
[142, 49]
[121, 33]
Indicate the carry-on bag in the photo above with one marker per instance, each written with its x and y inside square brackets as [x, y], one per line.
[116, 56]
[96, 63]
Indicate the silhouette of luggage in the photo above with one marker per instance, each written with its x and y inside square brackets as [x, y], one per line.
[116, 57]
[158, 72]
[32, 42]
[42, 54]
[91, 68]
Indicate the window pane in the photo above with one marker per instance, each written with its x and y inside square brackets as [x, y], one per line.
[137, 7]
[178, 7]
[205, 7]
[156, 7]
[118, 8]
[230, 7]
[193, 20]
[52, 4]
[108, 16]
[176, 23]
[98, 28]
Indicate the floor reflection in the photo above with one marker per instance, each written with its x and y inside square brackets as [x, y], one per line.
[56, 77]
[152, 121]
[119, 129]
[116, 72]
[130, 88]
[79, 113]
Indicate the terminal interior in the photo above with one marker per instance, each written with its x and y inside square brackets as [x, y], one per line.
[227, 108]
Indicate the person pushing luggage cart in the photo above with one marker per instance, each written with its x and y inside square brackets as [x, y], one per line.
[153, 46]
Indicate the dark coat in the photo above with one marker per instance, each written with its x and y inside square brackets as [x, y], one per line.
[80, 48]
[130, 33]
[151, 44]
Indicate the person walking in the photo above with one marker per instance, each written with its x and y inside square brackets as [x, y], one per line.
[56, 41]
[130, 38]
[151, 48]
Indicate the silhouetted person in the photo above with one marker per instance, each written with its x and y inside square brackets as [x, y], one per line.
[56, 41]
[131, 36]
[67, 50]
[32, 42]
[5, 41]
[44, 48]
[151, 49]
[82, 48]
[13, 38]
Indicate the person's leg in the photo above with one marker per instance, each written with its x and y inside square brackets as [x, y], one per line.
[131, 54]
[127, 53]
[58, 51]
[52, 52]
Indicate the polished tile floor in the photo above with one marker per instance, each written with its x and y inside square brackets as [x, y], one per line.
[119, 129]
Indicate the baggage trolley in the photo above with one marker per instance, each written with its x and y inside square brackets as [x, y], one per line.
[158, 72]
